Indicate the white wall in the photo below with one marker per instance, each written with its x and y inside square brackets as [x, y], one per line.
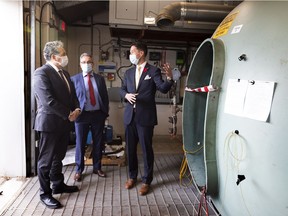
[79, 40]
[12, 129]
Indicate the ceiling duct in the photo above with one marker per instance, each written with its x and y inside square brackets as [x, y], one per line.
[192, 12]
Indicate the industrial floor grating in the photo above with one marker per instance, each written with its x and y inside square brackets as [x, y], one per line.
[107, 196]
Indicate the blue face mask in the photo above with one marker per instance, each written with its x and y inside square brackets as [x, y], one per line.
[86, 68]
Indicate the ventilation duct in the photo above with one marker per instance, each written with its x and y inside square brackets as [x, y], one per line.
[192, 12]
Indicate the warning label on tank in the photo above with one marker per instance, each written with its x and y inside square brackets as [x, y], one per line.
[225, 25]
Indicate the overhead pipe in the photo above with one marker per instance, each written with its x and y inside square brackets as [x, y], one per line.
[192, 12]
[92, 36]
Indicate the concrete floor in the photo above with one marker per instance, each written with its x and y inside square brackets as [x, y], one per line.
[107, 196]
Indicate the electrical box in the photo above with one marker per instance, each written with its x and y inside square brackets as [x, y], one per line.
[126, 12]
[107, 67]
[154, 56]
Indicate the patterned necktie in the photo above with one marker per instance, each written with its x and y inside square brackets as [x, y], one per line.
[64, 79]
[137, 76]
[91, 91]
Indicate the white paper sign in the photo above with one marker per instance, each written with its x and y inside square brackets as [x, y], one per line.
[235, 97]
[236, 29]
[250, 99]
[259, 100]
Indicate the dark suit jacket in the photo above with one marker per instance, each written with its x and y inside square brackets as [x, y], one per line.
[54, 101]
[150, 81]
[78, 82]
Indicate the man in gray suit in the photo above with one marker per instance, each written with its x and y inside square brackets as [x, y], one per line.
[57, 107]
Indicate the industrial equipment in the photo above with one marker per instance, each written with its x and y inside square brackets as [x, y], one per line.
[234, 138]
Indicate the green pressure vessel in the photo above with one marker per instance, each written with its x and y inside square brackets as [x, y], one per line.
[235, 112]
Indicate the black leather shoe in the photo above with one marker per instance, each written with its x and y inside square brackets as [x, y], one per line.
[99, 173]
[65, 189]
[51, 202]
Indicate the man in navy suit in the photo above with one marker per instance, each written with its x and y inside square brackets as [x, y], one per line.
[140, 116]
[93, 97]
[57, 107]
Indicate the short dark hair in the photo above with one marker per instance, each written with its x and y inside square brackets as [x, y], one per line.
[140, 45]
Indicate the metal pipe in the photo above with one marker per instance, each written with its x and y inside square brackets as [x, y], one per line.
[192, 12]
[92, 35]
[32, 6]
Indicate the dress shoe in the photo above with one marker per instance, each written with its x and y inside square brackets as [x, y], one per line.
[99, 173]
[130, 183]
[78, 177]
[144, 189]
[51, 202]
[65, 189]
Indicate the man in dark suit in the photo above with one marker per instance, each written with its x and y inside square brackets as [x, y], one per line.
[57, 107]
[140, 116]
[93, 97]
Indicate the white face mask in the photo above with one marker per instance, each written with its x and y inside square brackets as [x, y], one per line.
[86, 68]
[133, 59]
[64, 61]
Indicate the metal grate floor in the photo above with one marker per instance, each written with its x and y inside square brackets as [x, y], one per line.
[107, 196]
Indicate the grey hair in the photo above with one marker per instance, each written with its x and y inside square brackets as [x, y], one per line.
[52, 48]
[85, 54]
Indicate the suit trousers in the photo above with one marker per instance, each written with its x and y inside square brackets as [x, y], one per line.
[93, 121]
[135, 133]
[52, 150]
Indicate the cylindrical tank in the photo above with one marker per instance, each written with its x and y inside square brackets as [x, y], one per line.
[235, 138]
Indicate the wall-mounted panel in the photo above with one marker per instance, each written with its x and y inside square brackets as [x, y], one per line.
[126, 12]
